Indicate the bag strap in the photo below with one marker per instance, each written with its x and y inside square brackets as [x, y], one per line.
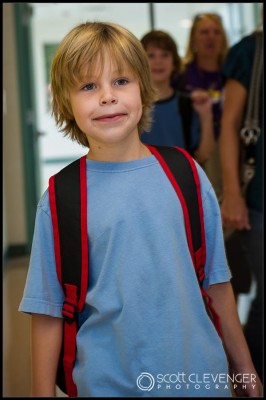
[181, 170]
[182, 173]
[68, 203]
[251, 130]
[185, 110]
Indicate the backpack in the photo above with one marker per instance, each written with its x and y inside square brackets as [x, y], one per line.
[185, 111]
[68, 203]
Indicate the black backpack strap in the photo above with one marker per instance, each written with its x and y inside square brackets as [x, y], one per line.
[182, 173]
[185, 110]
[68, 204]
[186, 113]
[181, 170]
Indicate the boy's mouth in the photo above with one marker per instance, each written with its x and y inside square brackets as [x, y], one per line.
[110, 117]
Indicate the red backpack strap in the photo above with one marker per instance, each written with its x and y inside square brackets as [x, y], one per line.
[68, 204]
[181, 170]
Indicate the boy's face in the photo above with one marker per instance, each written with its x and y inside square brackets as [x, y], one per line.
[107, 107]
[161, 64]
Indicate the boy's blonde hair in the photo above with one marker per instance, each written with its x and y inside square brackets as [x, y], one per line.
[190, 53]
[75, 58]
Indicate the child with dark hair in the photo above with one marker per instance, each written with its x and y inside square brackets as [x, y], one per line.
[174, 122]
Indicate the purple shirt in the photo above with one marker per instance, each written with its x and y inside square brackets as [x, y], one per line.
[195, 78]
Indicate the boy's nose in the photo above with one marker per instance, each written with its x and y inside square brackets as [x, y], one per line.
[108, 98]
[108, 101]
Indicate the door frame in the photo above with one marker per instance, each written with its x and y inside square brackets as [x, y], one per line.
[22, 19]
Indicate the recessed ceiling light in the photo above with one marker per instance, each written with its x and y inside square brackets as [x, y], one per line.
[185, 23]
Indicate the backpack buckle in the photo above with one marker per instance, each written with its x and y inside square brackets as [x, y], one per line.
[201, 273]
[69, 309]
[69, 312]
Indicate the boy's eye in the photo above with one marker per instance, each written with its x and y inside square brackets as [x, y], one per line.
[121, 81]
[166, 54]
[89, 86]
[163, 54]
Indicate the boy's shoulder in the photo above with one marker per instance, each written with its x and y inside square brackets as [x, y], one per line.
[43, 204]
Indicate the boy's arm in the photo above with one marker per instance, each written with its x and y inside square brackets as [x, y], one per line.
[46, 340]
[234, 342]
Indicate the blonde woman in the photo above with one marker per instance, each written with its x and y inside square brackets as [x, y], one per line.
[204, 57]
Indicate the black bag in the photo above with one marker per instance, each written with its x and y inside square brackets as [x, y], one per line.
[241, 274]
[250, 132]
[236, 255]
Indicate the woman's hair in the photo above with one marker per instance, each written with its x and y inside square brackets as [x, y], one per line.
[190, 53]
[76, 57]
[164, 41]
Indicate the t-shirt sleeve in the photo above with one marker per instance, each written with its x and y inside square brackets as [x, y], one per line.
[43, 293]
[238, 64]
[216, 267]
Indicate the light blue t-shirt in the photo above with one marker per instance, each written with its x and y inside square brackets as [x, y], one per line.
[145, 330]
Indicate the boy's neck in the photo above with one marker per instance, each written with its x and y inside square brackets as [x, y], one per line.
[164, 91]
[119, 153]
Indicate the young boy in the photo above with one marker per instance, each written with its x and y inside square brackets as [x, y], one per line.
[144, 320]
[178, 120]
